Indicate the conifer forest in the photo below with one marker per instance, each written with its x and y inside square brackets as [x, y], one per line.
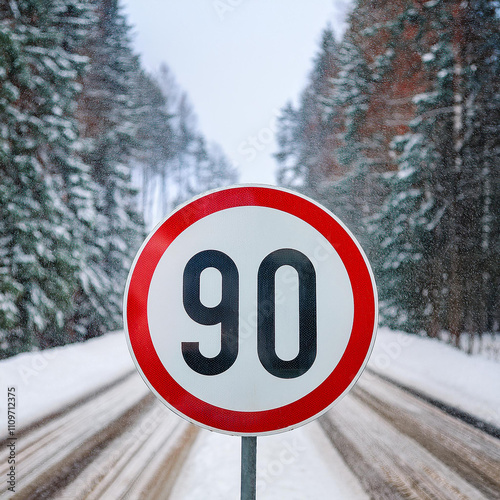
[397, 132]
[79, 119]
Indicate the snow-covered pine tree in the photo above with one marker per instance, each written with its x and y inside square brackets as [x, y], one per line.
[156, 147]
[10, 288]
[289, 173]
[306, 153]
[42, 190]
[174, 159]
[358, 112]
[325, 145]
[434, 230]
[185, 159]
[211, 169]
[349, 195]
[216, 170]
[198, 167]
[411, 226]
[109, 117]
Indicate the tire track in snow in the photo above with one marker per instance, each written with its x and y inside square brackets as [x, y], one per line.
[58, 455]
[402, 447]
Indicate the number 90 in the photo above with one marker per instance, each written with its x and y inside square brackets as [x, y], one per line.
[227, 312]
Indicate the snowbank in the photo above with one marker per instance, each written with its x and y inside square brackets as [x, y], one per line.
[470, 383]
[46, 381]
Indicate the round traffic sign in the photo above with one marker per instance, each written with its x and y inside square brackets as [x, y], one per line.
[250, 310]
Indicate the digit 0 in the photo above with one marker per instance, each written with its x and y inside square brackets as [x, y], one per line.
[266, 322]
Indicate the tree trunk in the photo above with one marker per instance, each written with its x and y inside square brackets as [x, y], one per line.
[455, 304]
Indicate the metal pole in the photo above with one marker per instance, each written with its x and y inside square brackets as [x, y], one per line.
[248, 467]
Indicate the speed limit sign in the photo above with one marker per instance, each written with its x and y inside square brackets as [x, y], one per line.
[250, 310]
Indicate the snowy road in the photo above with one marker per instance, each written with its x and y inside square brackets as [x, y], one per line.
[387, 444]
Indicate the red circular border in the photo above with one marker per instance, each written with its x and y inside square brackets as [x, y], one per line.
[265, 421]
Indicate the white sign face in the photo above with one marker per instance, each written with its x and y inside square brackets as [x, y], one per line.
[250, 310]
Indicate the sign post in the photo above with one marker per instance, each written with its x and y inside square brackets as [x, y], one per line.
[250, 310]
[248, 467]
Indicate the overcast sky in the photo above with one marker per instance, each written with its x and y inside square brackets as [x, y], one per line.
[239, 61]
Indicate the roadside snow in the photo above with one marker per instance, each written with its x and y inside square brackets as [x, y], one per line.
[46, 381]
[470, 383]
